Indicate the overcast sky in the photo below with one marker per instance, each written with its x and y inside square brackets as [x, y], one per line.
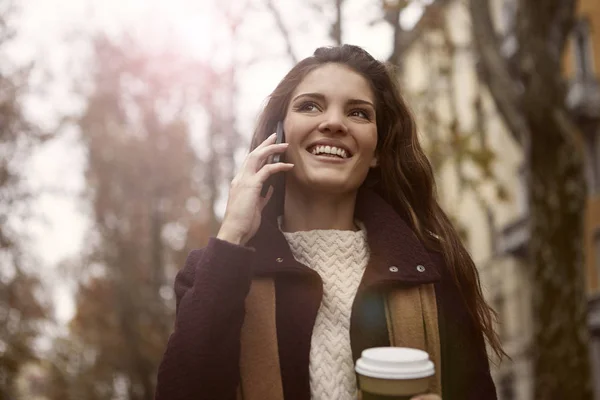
[54, 34]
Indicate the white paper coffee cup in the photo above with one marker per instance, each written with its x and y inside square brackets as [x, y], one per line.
[394, 371]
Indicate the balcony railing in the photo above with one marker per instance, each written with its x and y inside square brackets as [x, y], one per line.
[594, 314]
[514, 238]
[583, 98]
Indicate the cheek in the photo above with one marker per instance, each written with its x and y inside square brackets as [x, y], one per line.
[296, 130]
[374, 137]
[290, 127]
[370, 141]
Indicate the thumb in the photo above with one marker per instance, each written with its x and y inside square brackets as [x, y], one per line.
[265, 200]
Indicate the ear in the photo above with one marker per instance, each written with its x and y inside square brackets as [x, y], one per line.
[374, 163]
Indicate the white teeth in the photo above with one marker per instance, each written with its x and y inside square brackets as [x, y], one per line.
[329, 150]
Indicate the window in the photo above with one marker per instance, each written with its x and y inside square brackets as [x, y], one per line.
[592, 156]
[508, 16]
[521, 195]
[584, 64]
[595, 161]
[597, 250]
[508, 13]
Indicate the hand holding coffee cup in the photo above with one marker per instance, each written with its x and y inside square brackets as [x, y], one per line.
[396, 372]
[426, 397]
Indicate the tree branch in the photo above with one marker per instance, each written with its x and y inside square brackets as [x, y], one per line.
[283, 30]
[495, 71]
[404, 39]
[336, 27]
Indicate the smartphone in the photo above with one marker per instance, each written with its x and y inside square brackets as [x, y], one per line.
[275, 158]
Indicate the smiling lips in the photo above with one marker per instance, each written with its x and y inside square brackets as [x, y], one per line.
[329, 151]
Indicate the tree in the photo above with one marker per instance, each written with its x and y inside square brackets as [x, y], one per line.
[403, 39]
[530, 94]
[145, 184]
[22, 306]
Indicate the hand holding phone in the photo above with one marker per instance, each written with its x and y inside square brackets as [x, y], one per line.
[243, 213]
[276, 158]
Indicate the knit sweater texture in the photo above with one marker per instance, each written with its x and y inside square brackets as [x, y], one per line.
[340, 257]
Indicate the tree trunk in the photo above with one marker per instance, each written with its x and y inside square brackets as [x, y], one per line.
[557, 197]
[533, 108]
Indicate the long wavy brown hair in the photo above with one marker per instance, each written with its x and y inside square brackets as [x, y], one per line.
[404, 177]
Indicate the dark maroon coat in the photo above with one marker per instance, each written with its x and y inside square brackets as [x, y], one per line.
[202, 355]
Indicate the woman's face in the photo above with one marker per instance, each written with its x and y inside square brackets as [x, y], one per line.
[331, 129]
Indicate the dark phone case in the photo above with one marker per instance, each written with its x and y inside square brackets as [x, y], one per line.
[274, 159]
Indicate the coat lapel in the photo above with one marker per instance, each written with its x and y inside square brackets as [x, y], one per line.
[397, 255]
[259, 358]
[397, 260]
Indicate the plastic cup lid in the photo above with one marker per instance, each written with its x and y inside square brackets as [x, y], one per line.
[394, 363]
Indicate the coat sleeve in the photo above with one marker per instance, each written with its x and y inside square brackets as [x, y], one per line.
[465, 365]
[202, 356]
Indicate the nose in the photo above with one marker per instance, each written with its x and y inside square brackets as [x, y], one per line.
[333, 123]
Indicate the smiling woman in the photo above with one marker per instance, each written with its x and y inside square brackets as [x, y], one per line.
[331, 108]
[349, 251]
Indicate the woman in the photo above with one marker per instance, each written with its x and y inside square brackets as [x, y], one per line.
[338, 257]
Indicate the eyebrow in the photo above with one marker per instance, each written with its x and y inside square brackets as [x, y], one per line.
[322, 98]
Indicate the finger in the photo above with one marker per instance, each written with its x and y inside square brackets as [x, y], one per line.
[264, 201]
[256, 158]
[259, 157]
[265, 172]
[270, 139]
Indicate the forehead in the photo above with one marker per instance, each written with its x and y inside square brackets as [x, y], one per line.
[336, 80]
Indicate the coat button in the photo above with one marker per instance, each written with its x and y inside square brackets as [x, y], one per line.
[279, 259]
[393, 269]
[420, 268]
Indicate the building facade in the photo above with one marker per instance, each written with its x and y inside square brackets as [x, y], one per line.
[459, 125]
[582, 68]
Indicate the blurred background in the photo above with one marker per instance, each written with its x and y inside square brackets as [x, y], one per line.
[122, 123]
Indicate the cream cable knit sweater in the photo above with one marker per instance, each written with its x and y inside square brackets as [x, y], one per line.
[340, 258]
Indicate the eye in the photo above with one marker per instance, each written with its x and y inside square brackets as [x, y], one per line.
[360, 114]
[308, 106]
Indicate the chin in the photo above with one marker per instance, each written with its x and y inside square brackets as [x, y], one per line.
[330, 186]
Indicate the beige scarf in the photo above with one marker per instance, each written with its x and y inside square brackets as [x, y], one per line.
[412, 321]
